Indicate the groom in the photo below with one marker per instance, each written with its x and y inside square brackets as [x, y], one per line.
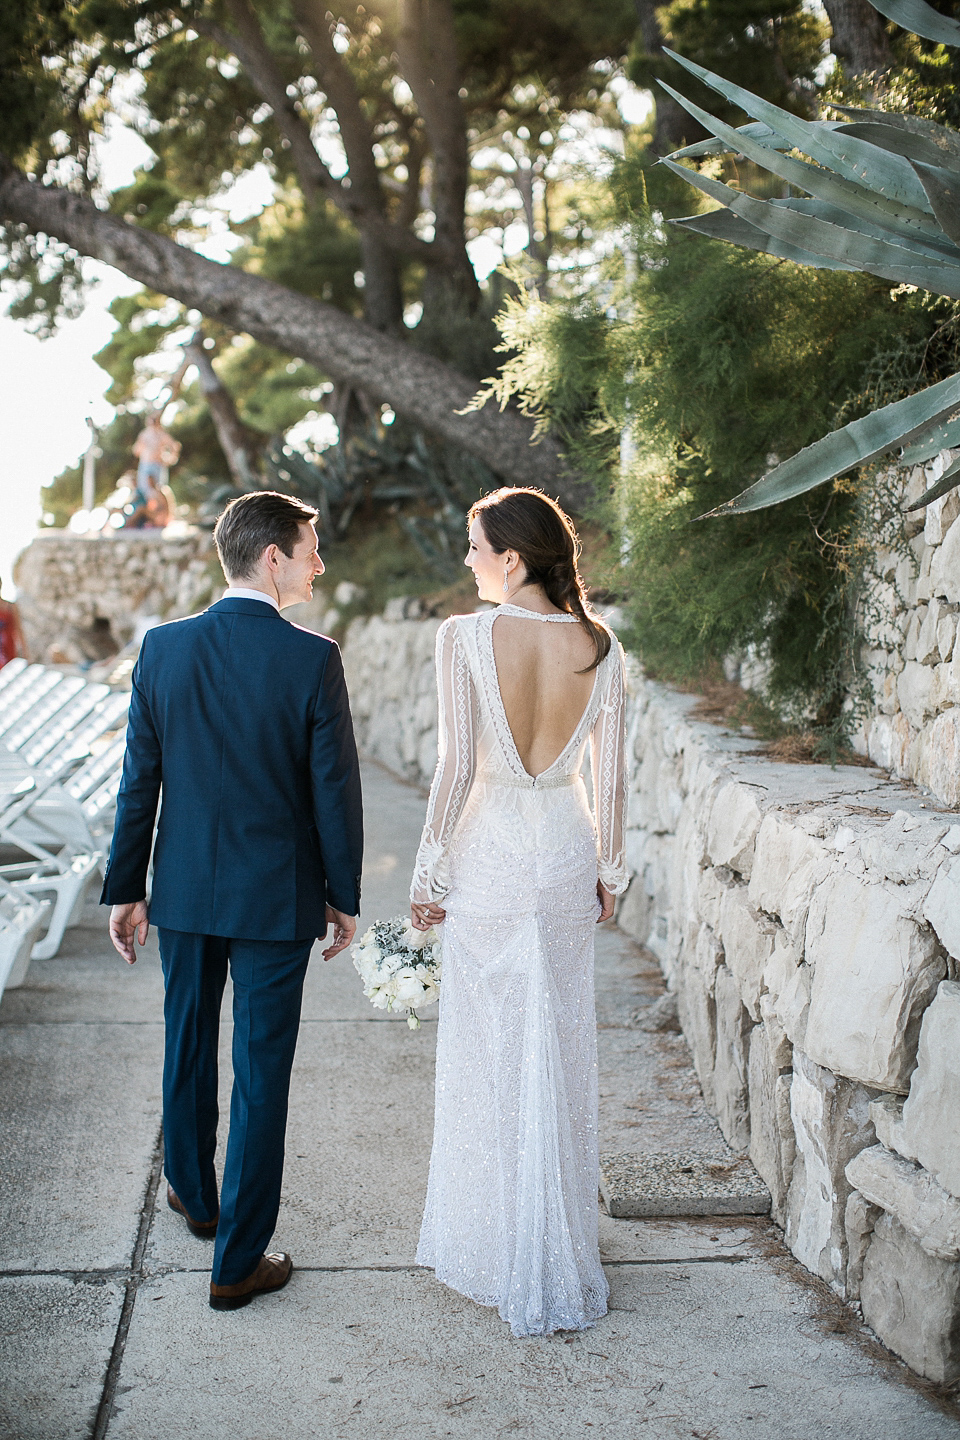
[243, 720]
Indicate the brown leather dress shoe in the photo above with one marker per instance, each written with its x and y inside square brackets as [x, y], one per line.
[203, 1229]
[272, 1273]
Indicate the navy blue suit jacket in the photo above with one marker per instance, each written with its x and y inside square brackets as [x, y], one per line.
[242, 720]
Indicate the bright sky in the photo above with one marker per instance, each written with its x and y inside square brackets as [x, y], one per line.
[49, 387]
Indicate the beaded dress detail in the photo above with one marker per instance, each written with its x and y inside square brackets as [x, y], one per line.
[511, 1210]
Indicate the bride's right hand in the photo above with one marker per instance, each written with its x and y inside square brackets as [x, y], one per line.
[607, 901]
[422, 916]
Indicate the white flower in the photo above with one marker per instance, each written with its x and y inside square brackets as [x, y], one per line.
[409, 990]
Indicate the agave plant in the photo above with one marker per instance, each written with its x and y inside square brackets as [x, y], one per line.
[882, 195]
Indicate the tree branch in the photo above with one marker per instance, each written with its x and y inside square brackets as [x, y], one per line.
[425, 391]
[239, 443]
[250, 48]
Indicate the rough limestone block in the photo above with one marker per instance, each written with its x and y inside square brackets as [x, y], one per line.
[905, 849]
[688, 858]
[785, 871]
[875, 970]
[938, 761]
[634, 847]
[914, 691]
[714, 881]
[912, 636]
[912, 1301]
[926, 1127]
[698, 1017]
[706, 954]
[735, 818]
[831, 1124]
[924, 1209]
[788, 985]
[928, 651]
[772, 1145]
[889, 741]
[732, 1102]
[946, 687]
[946, 636]
[860, 1218]
[945, 566]
[748, 939]
[940, 515]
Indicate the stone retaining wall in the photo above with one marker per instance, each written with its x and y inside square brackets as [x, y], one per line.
[808, 920]
[78, 593]
[910, 615]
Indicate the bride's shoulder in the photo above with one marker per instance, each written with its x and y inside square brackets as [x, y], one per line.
[462, 624]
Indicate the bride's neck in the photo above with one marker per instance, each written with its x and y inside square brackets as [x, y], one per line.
[532, 597]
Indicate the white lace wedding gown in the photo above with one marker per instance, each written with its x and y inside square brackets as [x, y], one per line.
[511, 1211]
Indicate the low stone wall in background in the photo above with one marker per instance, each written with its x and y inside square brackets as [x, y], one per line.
[808, 920]
[389, 665]
[82, 598]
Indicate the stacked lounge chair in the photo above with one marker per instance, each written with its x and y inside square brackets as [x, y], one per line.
[61, 755]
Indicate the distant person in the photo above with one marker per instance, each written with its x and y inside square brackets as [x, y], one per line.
[155, 449]
[12, 642]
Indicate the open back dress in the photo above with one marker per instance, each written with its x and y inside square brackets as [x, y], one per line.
[511, 1210]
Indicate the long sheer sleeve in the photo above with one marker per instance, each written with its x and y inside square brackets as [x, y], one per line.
[608, 743]
[456, 764]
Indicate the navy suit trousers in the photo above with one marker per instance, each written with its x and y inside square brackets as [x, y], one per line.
[268, 981]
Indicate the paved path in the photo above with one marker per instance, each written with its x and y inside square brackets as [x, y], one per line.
[714, 1332]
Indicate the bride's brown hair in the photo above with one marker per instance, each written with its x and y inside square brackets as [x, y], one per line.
[543, 536]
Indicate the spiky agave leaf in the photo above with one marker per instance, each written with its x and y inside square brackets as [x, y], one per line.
[944, 436]
[854, 248]
[905, 222]
[881, 171]
[921, 19]
[724, 225]
[852, 445]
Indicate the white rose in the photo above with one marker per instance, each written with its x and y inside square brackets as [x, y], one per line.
[378, 998]
[408, 989]
[392, 963]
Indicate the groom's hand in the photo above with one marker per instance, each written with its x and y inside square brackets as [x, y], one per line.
[127, 921]
[344, 929]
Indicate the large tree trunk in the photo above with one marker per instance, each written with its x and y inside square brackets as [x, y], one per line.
[424, 391]
[427, 51]
[672, 126]
[859, 38]
[239, 443]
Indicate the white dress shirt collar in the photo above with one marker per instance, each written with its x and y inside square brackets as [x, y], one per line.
[237, 592]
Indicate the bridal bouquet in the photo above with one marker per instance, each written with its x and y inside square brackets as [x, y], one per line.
[399, 967]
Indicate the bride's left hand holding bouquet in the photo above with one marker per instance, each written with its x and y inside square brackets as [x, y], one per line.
[399, 967]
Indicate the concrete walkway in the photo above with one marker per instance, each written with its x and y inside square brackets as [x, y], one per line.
[714, 1331]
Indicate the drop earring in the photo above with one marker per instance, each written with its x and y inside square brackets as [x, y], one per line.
[506, 581]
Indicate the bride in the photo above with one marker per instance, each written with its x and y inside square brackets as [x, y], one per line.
[520, 873]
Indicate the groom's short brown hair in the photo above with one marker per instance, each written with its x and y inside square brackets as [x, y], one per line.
[251, 523]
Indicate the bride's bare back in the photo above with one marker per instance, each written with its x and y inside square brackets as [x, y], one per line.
[543, 694]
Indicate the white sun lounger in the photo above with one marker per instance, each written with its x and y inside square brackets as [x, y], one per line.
[22, 917]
